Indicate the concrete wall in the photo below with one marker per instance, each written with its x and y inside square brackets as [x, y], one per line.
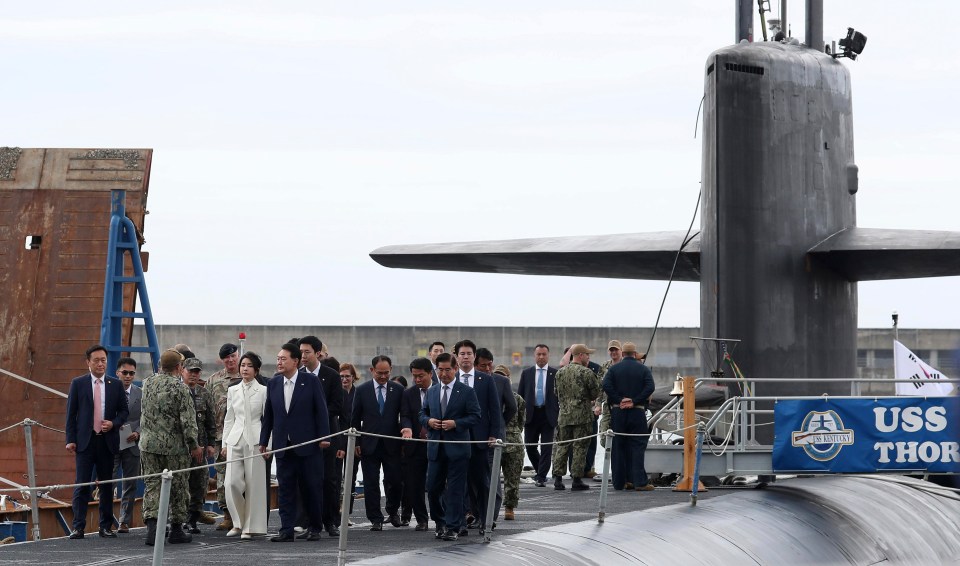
[673, 352]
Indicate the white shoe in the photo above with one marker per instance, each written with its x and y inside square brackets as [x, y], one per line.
[234, 532]
[246, 536]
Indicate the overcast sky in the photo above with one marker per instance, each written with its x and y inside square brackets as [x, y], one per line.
[293, 138]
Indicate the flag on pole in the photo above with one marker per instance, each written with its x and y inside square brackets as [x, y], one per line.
[908, 366]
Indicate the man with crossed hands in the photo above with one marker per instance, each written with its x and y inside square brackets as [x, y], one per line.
[450, 411]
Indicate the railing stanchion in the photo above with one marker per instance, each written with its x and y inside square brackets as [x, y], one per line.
[32, 478]
[492, 494]
[162, 512]
[352, 435]
[605, 484]
[701, 434]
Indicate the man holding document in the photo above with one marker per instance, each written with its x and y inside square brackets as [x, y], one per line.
[128, 460]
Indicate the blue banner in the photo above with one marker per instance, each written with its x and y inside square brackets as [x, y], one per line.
[867, 435]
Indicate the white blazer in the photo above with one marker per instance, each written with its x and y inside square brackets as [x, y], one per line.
[243, 415]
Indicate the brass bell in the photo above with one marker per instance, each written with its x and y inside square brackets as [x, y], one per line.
[677, 386]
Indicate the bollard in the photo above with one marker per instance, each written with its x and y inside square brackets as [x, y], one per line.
[162, 513]
[604, 485]
[492, 496]
[352, 435]
[701, 434]
[32, 478]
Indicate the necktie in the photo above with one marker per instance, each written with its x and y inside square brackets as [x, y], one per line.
[287, 393]
[97, 408]
[423, 398]
[540, 400]
[443, 400]
[380, 397]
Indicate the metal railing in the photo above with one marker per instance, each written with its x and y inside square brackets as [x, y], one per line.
[351, 434]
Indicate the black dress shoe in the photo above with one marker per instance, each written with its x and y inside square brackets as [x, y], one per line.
[333, 530]
[405, 522]
[282, 537]
[422, 526]
[302, 535]
[313, 536]
[107, 533]
[377, 527]
[75, 534]
[395, 520]
[450, 535]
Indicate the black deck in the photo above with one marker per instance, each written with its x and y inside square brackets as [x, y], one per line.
[539, 507]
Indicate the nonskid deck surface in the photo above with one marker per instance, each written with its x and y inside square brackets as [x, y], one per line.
[539, 508]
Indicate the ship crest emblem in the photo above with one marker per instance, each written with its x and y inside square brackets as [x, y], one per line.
[822, 435]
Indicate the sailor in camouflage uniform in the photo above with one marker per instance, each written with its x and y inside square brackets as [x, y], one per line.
[206, 432]
[511, 461]
[217, 385]
[168, 440]
[577, 388]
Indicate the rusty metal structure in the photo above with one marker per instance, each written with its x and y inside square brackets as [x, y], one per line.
[54, 231]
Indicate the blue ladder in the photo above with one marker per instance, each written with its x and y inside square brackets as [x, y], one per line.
[123, 240]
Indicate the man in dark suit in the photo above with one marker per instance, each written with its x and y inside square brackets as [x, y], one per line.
[489, 427]
[538, 389]
[376, 409]
[436, 348]
[508, 409]
[450, 412]
[96, 408]
[413, 462]
[128, 460]
[629, 385]
[296, 412]
[310, 347]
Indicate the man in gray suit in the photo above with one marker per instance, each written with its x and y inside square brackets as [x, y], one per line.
[128, 460]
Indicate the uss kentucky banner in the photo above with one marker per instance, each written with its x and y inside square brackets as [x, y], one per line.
[867, 435]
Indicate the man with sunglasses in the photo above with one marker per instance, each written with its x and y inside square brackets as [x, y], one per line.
[128, 460]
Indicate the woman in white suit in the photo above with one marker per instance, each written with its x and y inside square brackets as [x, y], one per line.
[245, 481]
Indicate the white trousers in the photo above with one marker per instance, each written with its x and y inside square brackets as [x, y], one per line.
[246, 486]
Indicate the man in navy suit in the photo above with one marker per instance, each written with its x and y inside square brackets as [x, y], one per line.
[376, 409]
[96, 408]
[296, 412]
[450, 412]
[310, 348]
[489, 427]
[538, 389]
[508, 407]
[413, 462]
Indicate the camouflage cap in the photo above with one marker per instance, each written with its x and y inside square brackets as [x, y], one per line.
[192, 363]
[614, 344]
[578, 349]
[502, 370]
[170, 359]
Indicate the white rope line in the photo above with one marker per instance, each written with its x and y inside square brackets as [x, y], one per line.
[34, 383]
[14, 425]
[178, 471]
[498, 441]
[32, 423]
